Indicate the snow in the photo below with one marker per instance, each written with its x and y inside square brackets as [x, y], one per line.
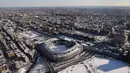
[110, 65]
[102, 64]
[40, 66]
[58, 48]
[29, 34]
[79, 68]
[100, 38]
[66, 38]
[24, 69]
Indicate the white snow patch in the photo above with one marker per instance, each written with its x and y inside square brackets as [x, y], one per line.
[58, 48]
[29, 34]
[79, 68]
[110, 65]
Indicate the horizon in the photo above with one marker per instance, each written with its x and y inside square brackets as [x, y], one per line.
[65, 7]
[62, 3]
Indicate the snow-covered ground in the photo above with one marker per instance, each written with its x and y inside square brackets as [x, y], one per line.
[58, 48]
[79, 68]
[39, 67]
[102, 64]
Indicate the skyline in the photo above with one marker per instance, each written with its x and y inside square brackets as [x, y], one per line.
[58, 3]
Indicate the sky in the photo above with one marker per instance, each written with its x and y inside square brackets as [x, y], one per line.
[46, 3]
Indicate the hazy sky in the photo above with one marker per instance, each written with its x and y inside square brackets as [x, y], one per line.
[35, 3]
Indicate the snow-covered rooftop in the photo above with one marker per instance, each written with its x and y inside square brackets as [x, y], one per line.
[29, 34]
